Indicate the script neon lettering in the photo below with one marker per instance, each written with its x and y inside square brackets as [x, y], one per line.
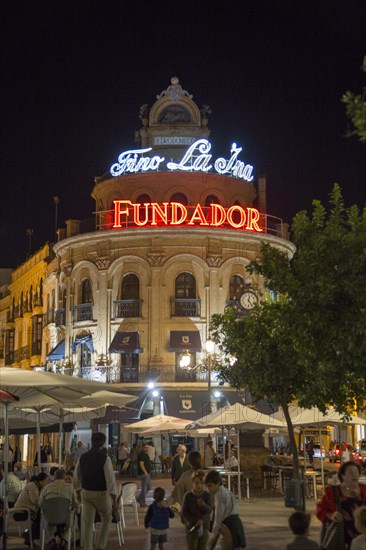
[129, 161]
[199, 163]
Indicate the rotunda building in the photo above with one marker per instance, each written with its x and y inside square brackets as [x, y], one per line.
[175, 228]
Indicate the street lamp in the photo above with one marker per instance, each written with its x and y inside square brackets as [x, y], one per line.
[185, 360]
[210, 347]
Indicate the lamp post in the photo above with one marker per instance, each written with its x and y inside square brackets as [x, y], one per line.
[210, 347]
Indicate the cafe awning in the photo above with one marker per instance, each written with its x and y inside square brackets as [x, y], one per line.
[188, 340]
[80, 339]
[125, 342]
[57, 353]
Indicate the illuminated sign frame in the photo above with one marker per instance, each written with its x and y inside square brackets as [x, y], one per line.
[197, 158]
[175, 214]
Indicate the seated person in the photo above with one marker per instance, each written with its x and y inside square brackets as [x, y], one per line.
[18, 471]
[14, 486]
[232, 462]
[28, 498]
[58, 488]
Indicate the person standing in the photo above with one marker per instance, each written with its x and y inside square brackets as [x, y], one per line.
[209, 454]
[95, 487]
[196, 510]
[144, 469]
[79, 451]
[180, 463]
[310, 452]
[122, 455]
[226, 520]
[185, 482]
[157, 519]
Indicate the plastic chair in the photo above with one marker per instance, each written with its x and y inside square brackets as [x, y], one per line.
[57, 511]
[116, 520]
[14, 523]
[127, 497]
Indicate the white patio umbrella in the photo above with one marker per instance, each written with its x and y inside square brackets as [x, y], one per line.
[242, 417]
[160, 420]
[314, 417]
[42, 389]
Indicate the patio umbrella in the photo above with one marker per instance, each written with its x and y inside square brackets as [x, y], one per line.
[42, 389]
[6, 397]
[242, 417]
[314, 417]
[160, 420]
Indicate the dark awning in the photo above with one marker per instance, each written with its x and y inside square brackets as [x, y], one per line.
[125, 342]
[186, 404]
[129, 413]
[57, 353]
[188, 340]
[86, 339]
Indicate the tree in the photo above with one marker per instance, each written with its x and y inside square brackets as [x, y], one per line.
[310, 345]
[356, 110]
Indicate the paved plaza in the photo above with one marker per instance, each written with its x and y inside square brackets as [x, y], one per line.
[264, 516]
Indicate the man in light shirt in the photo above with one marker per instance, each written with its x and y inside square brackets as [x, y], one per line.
[180, 463]
[95, 486]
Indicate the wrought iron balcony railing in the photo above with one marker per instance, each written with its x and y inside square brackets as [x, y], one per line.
[127, 308]
[185, 307]
[82, 312]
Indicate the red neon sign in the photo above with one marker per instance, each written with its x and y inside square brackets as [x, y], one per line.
[153, 214]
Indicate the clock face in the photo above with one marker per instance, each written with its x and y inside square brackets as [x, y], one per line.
[248, 299]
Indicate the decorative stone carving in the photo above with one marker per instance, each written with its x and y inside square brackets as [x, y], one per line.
[214, 260]
[174, 91]
[102, 263]
[156, 259]
[67, 269]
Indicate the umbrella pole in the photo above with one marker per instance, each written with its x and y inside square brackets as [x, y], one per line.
[239, 468]
[60, 438]
[321, 459]
[39, 438]
[6, 464]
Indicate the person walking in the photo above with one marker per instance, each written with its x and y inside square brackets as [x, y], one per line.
[144, 469]
[310, 452]
[180, 463]
[123, 455]
[209, 454]
[157, 519]
[299, 523]
[185, 482]
[95, 487]
[79, 451]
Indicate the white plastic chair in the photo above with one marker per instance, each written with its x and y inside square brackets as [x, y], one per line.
[18, 525]
[57, 511]
[127, 497]
[116, 520]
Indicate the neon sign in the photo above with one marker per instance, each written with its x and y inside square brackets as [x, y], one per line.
[129, 214]
[195, 159]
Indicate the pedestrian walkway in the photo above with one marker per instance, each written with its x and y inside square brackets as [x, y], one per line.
[265, 522]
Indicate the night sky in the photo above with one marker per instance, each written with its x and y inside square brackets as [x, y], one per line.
[75, 73]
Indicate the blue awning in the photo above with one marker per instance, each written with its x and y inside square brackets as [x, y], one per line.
[125, 342]
[86, 339]
[57, 353]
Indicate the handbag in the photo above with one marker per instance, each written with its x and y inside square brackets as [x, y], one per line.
[332, 533]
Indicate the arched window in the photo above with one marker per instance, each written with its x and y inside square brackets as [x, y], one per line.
[86, 292]
[130, 287]
[185, 286]
[211, 199]
[142, 199]
[236, 287]
[179, 197]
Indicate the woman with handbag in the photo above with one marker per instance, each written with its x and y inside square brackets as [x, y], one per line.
[335, 510]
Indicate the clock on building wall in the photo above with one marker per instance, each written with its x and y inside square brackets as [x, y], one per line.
[248, 299]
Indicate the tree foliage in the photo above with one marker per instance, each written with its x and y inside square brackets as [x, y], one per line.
[356, 110]
[310, 344]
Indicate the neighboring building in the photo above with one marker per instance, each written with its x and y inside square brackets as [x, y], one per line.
[128, 298]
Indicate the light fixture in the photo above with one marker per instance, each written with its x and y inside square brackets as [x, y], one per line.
[210, 346]
[217, 394]
[155, 393]
[185, 360]
[151, 385]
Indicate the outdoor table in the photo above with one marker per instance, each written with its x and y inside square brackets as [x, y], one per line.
[232, 474]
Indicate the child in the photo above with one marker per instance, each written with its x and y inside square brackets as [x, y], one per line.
[359, 543]
[157, 519]
[299, 524]
[226, 520]
[196, 511]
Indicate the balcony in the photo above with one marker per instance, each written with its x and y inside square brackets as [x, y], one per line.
[82, 312]
[60, 317]
[185, 307]
[127, 308]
